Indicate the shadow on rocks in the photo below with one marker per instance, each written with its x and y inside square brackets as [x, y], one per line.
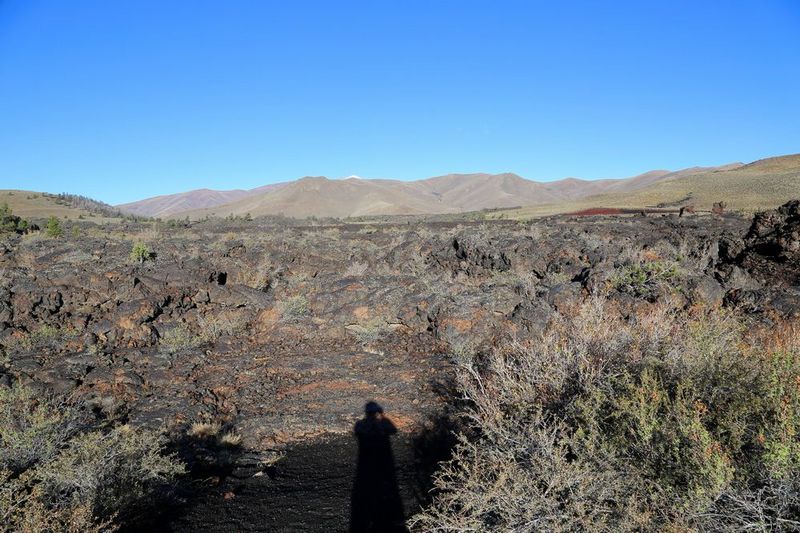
[210, 461]
[376, 503]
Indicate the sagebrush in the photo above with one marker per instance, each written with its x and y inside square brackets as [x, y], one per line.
[662, 420]
[60, 470]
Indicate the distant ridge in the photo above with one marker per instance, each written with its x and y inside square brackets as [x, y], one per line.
[451, 193]
[763, 184]
[455, 193]
[354, 196]
[171, 204]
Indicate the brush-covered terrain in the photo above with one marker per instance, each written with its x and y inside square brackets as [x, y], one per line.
[39, 206]
[635, 373]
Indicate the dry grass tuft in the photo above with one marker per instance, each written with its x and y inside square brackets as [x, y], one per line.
[230, 439]
[204, 430]
[356, 269]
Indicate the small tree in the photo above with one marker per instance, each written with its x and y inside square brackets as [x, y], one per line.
[140, 252]
[54, 228]
[8, 222]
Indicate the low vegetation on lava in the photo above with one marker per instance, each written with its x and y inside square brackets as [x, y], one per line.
[601, 373]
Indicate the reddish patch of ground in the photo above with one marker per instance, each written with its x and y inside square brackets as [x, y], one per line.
[592, 211]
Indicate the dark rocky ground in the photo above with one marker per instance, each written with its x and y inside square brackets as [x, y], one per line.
[309, 489]
[280, 334]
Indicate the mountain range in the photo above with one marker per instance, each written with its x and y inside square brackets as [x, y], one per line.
[455, 193]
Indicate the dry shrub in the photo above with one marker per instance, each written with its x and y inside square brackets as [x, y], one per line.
[259, 278]
[59, 472]
[225, 323]
[204, 430]
[294, 308]
[211, 447]
[370, 331]
[356, 269]
[43, 337]
[230, 439]
[658, 421]
[213, 431]
[179, 338]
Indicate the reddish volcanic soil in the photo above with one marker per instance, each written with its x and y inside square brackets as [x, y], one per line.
[592, 211]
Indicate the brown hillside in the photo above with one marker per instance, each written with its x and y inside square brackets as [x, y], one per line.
[763, 184]
[170, 204]
[452, 193]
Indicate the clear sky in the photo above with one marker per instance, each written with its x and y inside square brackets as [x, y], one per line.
[125, 99]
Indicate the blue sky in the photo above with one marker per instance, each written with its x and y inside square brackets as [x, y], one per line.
[124, 99]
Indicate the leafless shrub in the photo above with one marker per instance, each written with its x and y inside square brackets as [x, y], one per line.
[775, 506]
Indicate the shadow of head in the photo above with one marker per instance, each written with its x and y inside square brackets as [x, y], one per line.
[372, 408]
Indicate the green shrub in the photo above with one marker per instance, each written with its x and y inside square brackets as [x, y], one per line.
[140, 253]
[371, 331]
[294, 307]
[179, 338]
[658, 421]
[115, 472]
[32, 428]
[10, 223]
[644, 279]
[45, 336]
[53, 228]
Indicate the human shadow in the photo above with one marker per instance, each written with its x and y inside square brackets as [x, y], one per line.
[375, 505]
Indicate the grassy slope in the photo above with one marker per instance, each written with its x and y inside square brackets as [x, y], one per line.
[32, 205]
[763, 184]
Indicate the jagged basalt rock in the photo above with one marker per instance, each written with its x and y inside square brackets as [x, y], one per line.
[284, 332]
[771, 248]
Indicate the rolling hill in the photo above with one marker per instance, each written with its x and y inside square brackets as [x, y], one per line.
[452, 193]
[37, 206]
[320, 196]
[761, 184]
[171, 204]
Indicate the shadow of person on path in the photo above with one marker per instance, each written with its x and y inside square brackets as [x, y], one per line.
[376, 505]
